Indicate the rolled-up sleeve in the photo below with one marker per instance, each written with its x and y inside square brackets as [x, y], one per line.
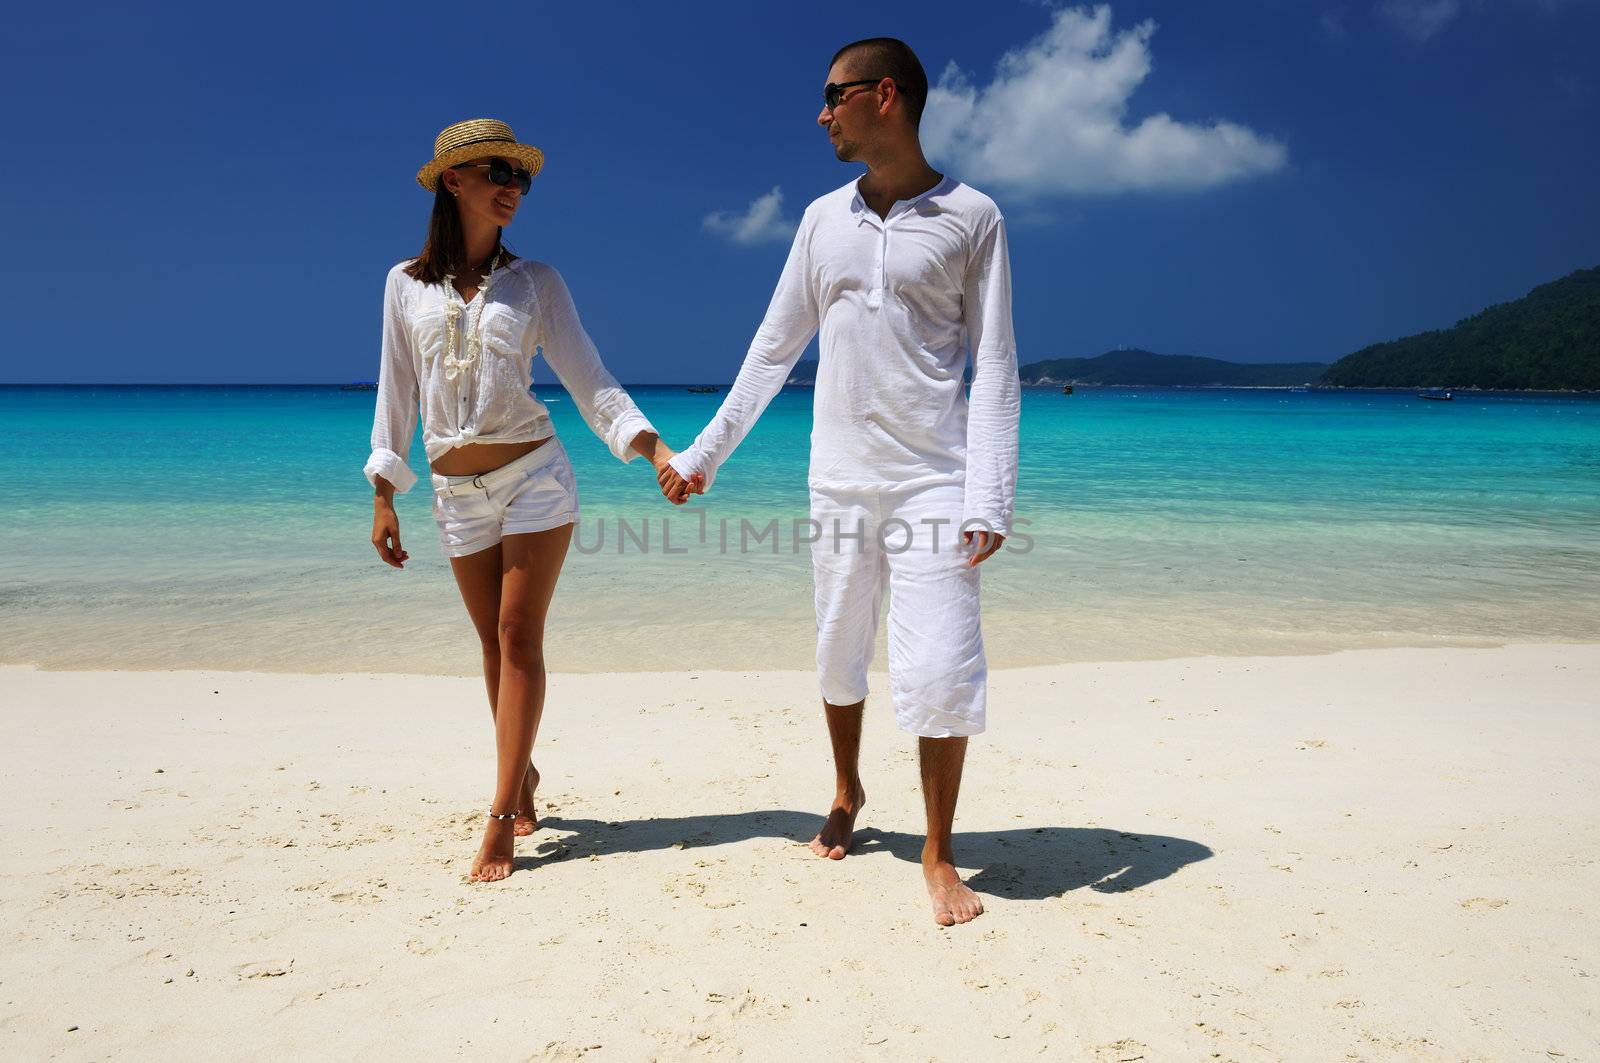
[995, 403]
[790, 322]
[395, 421]
[609, 410]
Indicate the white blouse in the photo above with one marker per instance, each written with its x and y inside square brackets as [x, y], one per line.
[468, 366]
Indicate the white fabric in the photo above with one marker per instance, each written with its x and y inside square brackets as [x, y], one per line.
[901, 304]
[906, 542]
[466, 396]
[533, 493]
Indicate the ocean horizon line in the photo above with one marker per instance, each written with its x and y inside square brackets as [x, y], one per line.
[553, 386]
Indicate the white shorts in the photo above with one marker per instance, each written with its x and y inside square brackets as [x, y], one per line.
[907, 542]
[534, 493]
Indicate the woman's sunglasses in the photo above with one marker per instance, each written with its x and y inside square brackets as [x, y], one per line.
[502, 173]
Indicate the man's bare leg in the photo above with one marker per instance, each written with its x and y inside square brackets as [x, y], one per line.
[953, 901]
[844, 731]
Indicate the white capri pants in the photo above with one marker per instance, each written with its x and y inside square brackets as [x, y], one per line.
[908, 542]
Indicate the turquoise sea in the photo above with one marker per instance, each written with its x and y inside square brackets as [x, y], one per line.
[227, 527]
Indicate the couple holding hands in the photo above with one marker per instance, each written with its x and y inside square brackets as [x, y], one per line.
[904, 272]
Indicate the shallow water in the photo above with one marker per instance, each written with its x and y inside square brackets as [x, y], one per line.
[228, 527]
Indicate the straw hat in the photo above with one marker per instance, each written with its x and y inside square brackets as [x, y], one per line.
[476, 138]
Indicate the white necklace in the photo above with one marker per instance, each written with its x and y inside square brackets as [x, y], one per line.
[454, 308]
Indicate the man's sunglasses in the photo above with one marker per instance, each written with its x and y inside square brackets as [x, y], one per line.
[833, 91]
[502, 173]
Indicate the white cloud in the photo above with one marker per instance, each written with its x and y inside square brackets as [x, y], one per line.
[1419, 19]
[1054, 120]
[762, 222]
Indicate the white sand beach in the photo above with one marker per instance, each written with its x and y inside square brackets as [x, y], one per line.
[1377, 854]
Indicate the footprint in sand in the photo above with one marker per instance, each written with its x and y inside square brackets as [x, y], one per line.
[1483, 904]
[429, 948]
[1124, 1051]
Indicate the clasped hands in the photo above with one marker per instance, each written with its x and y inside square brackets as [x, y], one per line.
[674, 486]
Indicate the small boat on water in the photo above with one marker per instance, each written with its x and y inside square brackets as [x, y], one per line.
[1436, 395]
[1066, 389]
[360, 385]
[704, 389]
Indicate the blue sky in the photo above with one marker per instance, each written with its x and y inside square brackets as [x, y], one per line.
[213, 194]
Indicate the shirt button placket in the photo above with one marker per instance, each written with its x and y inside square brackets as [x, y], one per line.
[875, 299]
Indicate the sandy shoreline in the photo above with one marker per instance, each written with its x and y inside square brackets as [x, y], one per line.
[1373, 854]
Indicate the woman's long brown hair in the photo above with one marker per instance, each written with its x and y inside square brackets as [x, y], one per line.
[445, 253]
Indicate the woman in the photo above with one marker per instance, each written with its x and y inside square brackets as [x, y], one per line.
[460, 327]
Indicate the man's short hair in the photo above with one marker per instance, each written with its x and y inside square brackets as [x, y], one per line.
[886, 57]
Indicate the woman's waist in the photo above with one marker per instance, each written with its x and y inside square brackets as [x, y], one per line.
[468, 454]
[540, 453]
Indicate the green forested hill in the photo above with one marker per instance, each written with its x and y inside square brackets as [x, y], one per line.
[1547, 340]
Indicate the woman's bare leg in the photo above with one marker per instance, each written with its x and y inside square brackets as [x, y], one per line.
[529, 565]
[478, 577]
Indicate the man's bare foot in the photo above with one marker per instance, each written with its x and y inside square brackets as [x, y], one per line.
[493, 861]
[953, 901]
[528, 820]
[833, 840]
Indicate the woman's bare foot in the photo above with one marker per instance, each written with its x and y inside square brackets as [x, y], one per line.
[838, 830]
[953, 901]
[493, 861]
[528, 820]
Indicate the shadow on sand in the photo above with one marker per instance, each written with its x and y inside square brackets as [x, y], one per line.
[1027, 863]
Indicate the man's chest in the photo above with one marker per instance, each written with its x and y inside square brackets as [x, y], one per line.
[921, 259]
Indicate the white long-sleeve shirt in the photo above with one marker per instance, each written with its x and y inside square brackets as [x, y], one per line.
[470, 396]
[901, 302]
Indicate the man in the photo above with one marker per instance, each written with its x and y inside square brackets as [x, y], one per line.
[905, 272]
